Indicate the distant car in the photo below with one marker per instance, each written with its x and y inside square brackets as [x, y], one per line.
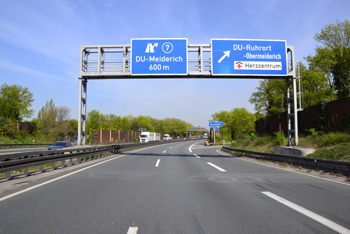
[59, 145]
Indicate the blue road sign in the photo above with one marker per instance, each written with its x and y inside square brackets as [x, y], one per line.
[159, 57]
[216, 129]
[216, 124]
[249, 57]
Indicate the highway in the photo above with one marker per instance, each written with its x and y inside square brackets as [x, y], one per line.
[177, 188]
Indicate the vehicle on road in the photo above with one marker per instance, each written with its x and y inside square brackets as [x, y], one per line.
[167, 137]
[149, 136]
[59, 145]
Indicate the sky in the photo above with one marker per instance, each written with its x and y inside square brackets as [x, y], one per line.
[40, 49]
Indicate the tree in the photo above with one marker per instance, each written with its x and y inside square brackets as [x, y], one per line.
[95, 120]
[142, 122]
[4, 129]
[243, 122]
[54, 121]
[73, 127]
[238, 123]
[47, 116]
[315, 86]
[15, 102]
[270, 97]
[333, 57]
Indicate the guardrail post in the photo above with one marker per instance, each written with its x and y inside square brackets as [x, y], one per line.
[53, 165]
[41, 168]
[25, 171]
[8, 175]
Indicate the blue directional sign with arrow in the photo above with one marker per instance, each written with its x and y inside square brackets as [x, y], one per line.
[249, 57]
[216, 124]
[159, 56]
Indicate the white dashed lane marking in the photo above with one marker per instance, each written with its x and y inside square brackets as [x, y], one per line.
[158, 161]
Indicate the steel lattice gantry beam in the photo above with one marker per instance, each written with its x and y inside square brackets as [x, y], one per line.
[113, 62]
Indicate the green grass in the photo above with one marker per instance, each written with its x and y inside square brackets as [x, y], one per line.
[260, 144]
[333, 146]
[336, 152]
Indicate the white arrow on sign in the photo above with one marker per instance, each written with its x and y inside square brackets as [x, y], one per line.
[226, 54]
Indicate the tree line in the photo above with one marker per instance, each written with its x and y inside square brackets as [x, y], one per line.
[53, 122]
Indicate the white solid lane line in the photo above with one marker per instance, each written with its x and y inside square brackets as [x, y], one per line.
[328, 223]
[216, 167]
[190, 148]
[132, 230]
[223, 153]
[196, 156]
[158, 161]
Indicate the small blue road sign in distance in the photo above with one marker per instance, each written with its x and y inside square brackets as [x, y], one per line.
[216, 129]
[159, 57]
[249, 57]
[216, 124]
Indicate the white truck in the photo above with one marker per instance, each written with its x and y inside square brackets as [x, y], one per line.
[149, 136]
[167, 137]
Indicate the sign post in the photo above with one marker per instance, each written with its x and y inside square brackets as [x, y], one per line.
[216, 127]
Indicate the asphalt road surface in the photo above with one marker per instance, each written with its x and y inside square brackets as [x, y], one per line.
[176, 188]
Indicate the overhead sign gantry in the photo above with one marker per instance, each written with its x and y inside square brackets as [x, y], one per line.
[175, 58]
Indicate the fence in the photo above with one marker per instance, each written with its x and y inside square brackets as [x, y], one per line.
[331, 116]
[105, 136]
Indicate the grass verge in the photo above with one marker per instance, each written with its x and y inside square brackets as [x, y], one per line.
[332, 146]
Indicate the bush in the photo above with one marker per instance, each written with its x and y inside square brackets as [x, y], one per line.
[314, 135]
[280, 139]
[332, 138]
[337, 152]
[264, 140]
[234, 144]
[253, 136]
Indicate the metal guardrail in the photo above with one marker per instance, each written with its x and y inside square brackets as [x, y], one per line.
[61, 158]
[22, 145]
[339, 167]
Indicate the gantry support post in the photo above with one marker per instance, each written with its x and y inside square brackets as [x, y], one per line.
[82, 112]
[291, 80]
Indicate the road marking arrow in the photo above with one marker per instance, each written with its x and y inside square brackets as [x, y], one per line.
[226, 54]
